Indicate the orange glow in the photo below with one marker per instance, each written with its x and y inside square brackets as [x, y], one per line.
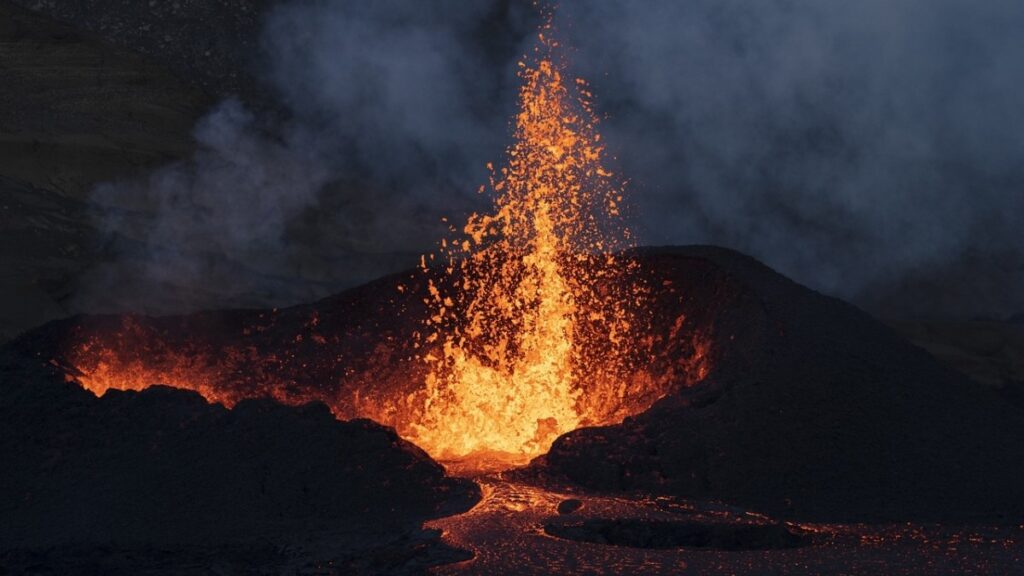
[535, 335]
[116, 362]
[530, 322]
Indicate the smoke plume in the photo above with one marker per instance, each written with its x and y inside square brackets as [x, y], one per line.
[869, 149]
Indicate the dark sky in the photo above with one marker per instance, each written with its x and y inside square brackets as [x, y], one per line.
[869, 149]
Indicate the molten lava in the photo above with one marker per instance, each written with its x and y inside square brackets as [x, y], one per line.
[531, 321]
[537, 330]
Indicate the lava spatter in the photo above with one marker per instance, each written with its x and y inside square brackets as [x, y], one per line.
[534, 331]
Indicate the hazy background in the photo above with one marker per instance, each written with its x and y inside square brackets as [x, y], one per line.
[869, 149]
[866, 148]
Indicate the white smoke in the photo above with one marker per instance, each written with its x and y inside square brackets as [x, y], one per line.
[866, 148]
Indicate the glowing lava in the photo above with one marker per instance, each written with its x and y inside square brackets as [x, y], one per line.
[530, 321]
[535, 333]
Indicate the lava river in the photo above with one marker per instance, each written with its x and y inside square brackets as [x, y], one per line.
[510, 532]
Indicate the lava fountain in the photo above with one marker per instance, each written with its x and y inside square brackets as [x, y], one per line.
[535, 331]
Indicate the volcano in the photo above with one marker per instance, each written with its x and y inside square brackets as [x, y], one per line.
[777, 397]
[802, 407]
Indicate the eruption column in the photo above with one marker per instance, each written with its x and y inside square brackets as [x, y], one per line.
[536, 314]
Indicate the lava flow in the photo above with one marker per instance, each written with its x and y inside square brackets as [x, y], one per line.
[530, 321]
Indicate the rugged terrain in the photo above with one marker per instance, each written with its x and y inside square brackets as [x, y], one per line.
[814, 419]
[832, 416]
[105, 92]
[73, 112]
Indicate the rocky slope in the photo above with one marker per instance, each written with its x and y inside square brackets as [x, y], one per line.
[830, 416]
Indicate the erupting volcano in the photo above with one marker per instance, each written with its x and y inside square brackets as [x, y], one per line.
[529, 321]
[540, 395]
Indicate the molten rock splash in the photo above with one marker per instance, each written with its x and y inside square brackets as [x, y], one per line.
[536, 335]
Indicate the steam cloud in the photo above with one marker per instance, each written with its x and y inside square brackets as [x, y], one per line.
[864, 148]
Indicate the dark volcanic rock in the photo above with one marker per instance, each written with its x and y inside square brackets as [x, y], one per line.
[163, 466]
[989, 352]
[661, 534]
[207, 42]
[812, 410]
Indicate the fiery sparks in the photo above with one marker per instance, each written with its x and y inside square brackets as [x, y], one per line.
[535, 332]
